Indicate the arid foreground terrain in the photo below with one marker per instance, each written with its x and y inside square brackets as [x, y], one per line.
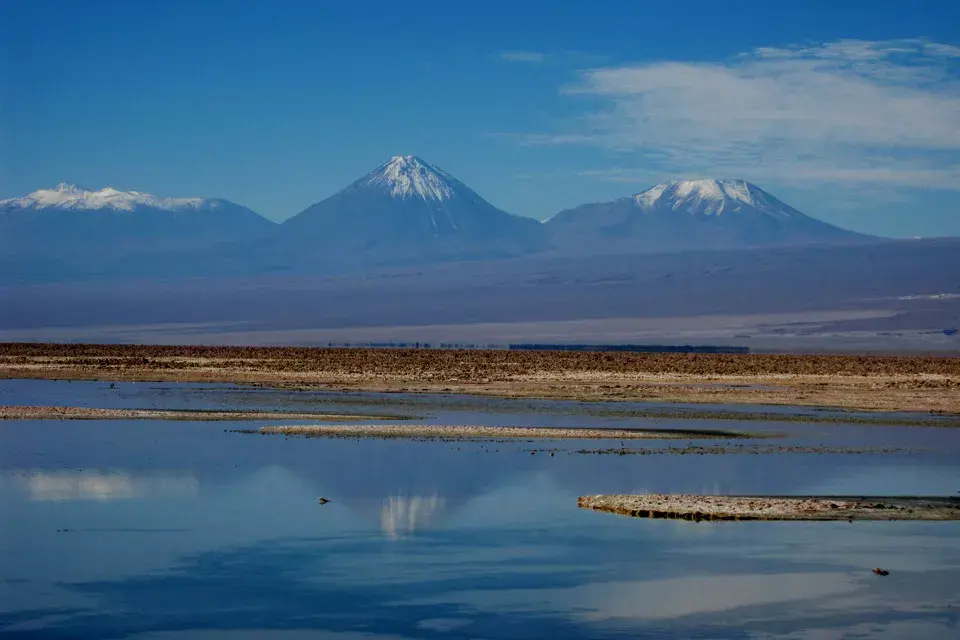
[874, 383]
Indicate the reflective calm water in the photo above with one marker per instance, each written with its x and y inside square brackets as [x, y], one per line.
[153, 529]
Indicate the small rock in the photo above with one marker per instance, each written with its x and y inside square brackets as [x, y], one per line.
[881, 572]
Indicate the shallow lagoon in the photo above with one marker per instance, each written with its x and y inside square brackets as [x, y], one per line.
[154, 529]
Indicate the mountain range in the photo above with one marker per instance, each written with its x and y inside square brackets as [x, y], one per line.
[406, 211]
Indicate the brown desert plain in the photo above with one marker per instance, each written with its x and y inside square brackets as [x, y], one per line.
[878, 383]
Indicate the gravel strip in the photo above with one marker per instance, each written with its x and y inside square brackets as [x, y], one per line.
[739, 449]
[696, 507]
[456, 432]
[91, 413]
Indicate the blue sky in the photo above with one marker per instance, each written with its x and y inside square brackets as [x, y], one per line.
[848, 110]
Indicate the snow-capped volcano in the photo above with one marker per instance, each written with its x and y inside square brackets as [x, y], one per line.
[409, 209]
[691, 214]
[409, 176]
[711, 198]
[72, 220]
[72, 197]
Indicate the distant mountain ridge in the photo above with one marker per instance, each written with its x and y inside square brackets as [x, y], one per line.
[691, 215]
[404, 212]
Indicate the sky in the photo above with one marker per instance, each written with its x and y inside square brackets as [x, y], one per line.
[847, 110]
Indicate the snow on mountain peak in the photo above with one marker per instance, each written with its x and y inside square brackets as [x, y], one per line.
[709, 197]
[71, 197]
[409, 176]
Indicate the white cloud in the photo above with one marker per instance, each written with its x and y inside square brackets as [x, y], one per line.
[523, 56]
[846, 111]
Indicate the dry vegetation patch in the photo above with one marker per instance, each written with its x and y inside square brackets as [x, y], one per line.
[883, 383]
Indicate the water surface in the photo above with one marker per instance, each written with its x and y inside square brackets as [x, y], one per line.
[156, 529]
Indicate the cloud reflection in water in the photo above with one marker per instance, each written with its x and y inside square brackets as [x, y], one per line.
[101, 485]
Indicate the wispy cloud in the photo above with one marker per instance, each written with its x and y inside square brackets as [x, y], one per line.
[846, 111]
[904, 174]
[567, 57]
[523, 56]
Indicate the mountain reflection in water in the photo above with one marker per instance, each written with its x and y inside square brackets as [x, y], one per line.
[402, 516]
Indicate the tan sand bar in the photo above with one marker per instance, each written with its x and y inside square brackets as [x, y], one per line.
[694, 507]
[455, 432]
[92, 413]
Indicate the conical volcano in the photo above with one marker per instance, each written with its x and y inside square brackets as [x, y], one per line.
[407, 209]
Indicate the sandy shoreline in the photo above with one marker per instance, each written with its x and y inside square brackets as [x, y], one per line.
[460, 432]
[868, 383]
[695, 507]
[91, 413]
